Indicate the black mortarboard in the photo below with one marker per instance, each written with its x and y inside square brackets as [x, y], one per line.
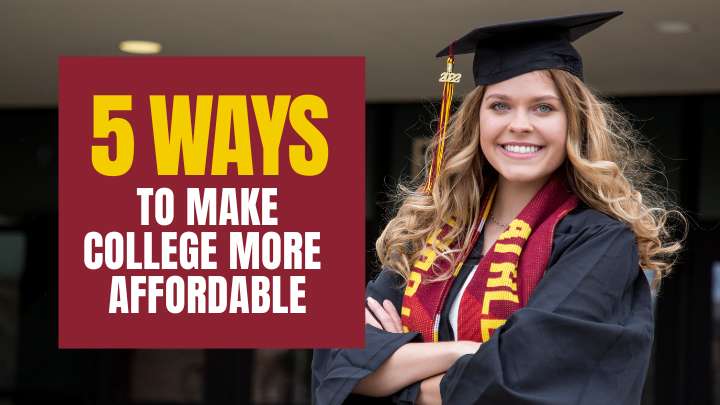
[506, 50]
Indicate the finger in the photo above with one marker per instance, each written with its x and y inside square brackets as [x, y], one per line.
[381, 315]
[390, 308]
[370, 319]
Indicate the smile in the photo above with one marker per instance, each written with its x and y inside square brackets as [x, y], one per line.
[520, 150]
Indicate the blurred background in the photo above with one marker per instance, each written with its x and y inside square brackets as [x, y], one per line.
[656, 63]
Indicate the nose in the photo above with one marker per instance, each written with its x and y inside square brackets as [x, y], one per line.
[520, 123]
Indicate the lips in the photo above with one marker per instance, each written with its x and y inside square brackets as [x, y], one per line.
[520, 150]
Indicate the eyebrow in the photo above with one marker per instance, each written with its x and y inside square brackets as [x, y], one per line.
[505, 97]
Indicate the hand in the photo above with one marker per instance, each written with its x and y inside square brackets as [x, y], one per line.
[383, 316]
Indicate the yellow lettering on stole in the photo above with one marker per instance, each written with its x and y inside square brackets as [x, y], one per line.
[405, 311]
[497, 296]
[413, 283]
[428, 254]
[433, 240]
[508, 248]
[487, 324]
[428, 257]
[517, 228]
[508, 273]
[433, 236]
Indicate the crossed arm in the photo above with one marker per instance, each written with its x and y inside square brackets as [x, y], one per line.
[425, 362]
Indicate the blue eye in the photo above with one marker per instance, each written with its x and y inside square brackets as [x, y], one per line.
[549, 108]
[493, 105]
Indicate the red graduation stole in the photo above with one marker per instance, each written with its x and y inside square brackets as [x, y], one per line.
[505, 277]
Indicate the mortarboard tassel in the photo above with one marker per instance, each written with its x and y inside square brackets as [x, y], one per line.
[449, 78]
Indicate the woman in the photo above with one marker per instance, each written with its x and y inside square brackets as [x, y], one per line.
[517, 279]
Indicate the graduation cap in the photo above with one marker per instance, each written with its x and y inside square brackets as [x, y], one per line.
[507, 50]
[503, 51]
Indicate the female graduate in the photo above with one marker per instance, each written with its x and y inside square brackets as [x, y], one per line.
[513, 275]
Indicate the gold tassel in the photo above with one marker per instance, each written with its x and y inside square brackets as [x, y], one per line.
[449, 78]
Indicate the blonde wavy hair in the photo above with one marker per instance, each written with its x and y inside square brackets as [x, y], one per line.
[607, 167]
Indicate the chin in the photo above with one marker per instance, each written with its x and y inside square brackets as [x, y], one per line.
[522, 176]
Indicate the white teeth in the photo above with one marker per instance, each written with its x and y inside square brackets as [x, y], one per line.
[521, 148]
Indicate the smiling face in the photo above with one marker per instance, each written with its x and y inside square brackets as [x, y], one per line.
[523, 127]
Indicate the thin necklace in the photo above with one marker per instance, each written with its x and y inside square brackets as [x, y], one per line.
[498, 223]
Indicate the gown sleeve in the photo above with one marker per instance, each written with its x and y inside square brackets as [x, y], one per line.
[335, 372]
[584, 337]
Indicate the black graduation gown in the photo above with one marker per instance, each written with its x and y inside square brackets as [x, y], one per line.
[584, 337]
